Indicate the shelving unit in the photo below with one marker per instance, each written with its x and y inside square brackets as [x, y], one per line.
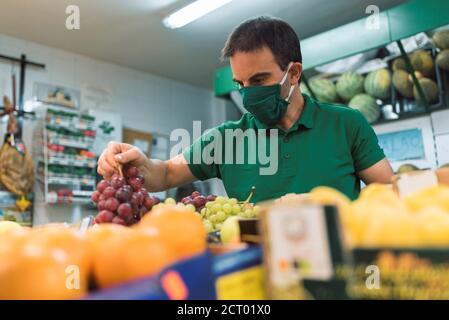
[65, 161]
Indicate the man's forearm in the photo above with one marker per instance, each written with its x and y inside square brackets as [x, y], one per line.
[155, 174]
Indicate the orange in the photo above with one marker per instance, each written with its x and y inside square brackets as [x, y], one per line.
[35, 266]
[180, 228]
[130, 255]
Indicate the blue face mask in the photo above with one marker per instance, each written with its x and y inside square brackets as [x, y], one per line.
[265, 102]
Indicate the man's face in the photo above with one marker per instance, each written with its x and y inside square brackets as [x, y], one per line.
[256, 68]
[259, 68]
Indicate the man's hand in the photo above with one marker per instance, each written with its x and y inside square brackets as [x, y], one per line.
[159, 175]
[117, 154]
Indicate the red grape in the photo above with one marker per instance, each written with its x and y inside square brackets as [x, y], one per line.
[137, 198]
[117, 182]
[195, 194]
[123, 194]
[103, 184]
[200, 201]
[141, 178]
[143, 211]
[105, 216]
[109, 192]
[186, 200]
[112, 204]
[135, 183]
[118, 220]
[124, 210]
[132, 172]
[102, 197]
[95, 196]
[211, 198]
[156, 200]
[101, 205]
[148, 203]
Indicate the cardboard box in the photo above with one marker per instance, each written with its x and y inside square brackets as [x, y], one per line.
[408, 183]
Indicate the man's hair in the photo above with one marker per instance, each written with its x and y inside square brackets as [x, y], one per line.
[253, 34]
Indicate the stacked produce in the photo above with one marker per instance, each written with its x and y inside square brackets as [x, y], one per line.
[380, 218]
[123, 200]
[424, 67]
[38, 263]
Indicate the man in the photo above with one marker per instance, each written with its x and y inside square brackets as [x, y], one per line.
[316, 143]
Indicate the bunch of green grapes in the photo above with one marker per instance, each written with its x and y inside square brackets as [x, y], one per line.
[172, 202]
[216, 212]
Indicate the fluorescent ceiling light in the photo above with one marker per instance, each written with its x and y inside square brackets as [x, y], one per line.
[191, 12]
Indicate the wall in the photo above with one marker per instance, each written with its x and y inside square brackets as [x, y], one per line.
[146, 102]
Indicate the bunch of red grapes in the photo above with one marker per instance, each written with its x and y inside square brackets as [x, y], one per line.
[123, 200]
[198, 200]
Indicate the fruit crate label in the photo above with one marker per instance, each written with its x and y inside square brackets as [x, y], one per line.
[242, 285]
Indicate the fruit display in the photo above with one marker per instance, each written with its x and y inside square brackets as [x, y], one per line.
[441, 39]
[38, 263]
[378, 83]
[442, 59]
[218, 211]
[380, 218]
[349, 85]
[430, 89]
[324, 89]
[402, 83]
[123, 199]
[367, 105]
[422, 61]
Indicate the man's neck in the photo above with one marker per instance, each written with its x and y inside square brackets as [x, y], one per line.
[294, 111]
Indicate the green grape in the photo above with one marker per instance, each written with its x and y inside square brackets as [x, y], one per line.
[216, 207]
[221, 200]
[232, 201]
[227, 208]
[242, 214]
[209, 204]
[236, 209]
[170, 201]
[248, 213]
[208, 226]
[213, 218]
[180, 205]
[218, 226]
[221, 216]
[190, 207]
[203, 212]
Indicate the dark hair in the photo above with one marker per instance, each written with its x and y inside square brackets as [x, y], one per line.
[255, 33]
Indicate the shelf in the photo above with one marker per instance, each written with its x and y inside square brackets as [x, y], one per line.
[71, 181]
[66, 161]
[70, 143]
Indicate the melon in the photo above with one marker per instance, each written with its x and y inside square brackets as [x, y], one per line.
[422, 61]
[402, 83]
[441, 39]
[430, 89]
[443, 59]
[349, 85]
[324, 89]
[378, 83]
[407, 167]
[303, 88]
[366, 105]
[399, 64]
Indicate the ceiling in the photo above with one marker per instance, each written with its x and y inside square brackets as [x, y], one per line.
[130, 32]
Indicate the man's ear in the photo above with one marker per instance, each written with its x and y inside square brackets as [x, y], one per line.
[295, 73]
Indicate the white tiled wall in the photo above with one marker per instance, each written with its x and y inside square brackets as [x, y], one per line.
[145, 101]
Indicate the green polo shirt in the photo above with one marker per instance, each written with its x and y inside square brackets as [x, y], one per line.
[326, 146]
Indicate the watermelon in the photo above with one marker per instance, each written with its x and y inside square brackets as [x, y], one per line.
[349, 85]
[422, 61]
[402, 83]
[441, 39]
[399, 64]
[430, 89]
[378, 83]
[443, 59]
[324, 89]
[366, 105]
